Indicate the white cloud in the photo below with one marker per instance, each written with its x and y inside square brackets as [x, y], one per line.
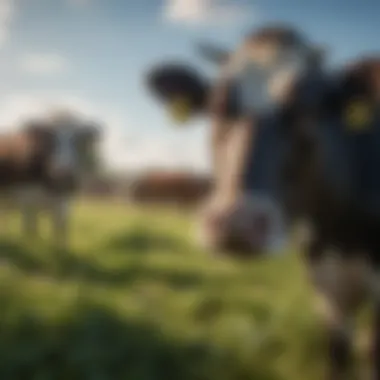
[203, 11]
[121, 149]
[7, 10]
[44, 63]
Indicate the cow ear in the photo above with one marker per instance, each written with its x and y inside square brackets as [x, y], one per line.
[180, 88]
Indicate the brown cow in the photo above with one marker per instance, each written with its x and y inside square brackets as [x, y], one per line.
[286, 130]
[42, 164]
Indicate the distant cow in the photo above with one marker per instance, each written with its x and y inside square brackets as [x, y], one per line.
[292, 141]
[181, 189]
[42, 165]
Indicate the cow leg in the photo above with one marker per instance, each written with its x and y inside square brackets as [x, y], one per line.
[4, 214]
[340, 355]
[343, 286]
[338, 328]
[60, 209]
[335, 323]
[30, 220]
[29, 203]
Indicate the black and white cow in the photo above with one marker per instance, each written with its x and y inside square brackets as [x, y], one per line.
[292, 141]
[41, 167]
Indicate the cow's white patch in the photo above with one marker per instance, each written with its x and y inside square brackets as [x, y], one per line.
[263, 85]
[65, 157]
[253, 85]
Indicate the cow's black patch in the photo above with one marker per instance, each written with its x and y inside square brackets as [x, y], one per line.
[169, 81]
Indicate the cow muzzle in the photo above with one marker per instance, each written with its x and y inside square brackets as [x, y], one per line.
[253, 227]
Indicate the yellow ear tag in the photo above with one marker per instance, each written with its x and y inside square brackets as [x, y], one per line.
[358, 116]
[180, 109]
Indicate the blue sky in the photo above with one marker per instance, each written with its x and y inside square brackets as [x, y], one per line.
[93, 54]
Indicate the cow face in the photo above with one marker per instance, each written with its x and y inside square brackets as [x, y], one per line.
[66, 147]
[257, 82]
[326, 171]
[74, 153]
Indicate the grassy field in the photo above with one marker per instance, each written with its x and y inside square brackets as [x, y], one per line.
[134, 299]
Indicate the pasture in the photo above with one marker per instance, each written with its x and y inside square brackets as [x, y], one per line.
[134, 299]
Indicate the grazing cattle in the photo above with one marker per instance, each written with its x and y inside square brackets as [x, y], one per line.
[181, 189]
[292, 141]
[42, 165]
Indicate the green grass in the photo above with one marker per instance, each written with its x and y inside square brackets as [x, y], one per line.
[134, 299]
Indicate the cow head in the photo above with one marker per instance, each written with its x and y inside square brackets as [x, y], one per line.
[66, 146]
[256, 80]
[323, 154]
[278, 50]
